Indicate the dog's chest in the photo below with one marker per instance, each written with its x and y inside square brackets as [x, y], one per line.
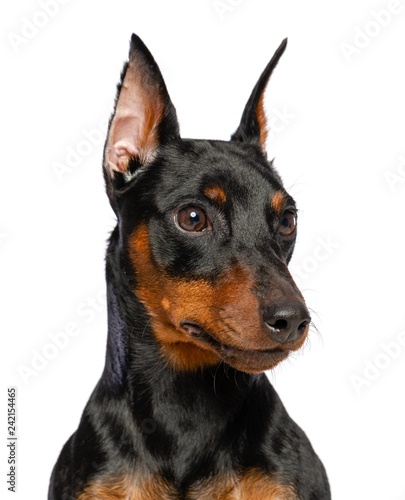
[251, 484]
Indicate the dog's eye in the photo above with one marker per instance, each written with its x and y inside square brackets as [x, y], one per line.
[192, 219]
[288, 223]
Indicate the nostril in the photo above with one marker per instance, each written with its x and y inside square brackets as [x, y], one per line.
[278, 324]
[302, 327]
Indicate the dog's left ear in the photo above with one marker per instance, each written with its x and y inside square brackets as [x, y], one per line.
[253, 125]
[143, 119]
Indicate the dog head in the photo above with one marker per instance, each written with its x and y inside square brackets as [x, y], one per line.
[206, 228]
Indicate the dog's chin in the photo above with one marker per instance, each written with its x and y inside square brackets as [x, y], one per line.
[246, 360]
[252, 361]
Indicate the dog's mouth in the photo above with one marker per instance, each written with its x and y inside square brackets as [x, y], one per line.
[248, 360]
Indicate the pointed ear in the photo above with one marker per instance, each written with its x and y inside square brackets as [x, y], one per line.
[144, 116]
[253, 125]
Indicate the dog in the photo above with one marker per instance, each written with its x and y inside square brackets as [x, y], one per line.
[200, 304]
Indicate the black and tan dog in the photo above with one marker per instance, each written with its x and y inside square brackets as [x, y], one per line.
[200, 303]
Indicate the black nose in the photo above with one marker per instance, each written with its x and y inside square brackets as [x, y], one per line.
[286, 321]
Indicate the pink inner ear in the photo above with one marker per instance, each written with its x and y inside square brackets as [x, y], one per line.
[123, 140]
[133, 131]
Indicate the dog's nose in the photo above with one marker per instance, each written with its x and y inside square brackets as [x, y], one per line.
[286, 321]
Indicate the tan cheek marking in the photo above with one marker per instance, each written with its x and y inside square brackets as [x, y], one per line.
[277, 202]
[230, 298]
[216, 194]
[187, 302]
[149, 280]
[170, 301]
[163, 298]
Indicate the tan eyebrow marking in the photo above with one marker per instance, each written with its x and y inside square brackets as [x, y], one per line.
[277, 202]
[216, 194]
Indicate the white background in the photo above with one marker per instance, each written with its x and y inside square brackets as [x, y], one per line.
[338, 147]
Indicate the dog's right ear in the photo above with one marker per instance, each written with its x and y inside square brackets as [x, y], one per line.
[143, 119]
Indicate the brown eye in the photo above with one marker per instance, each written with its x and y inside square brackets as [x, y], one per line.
[192, 219]
[288, 223]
